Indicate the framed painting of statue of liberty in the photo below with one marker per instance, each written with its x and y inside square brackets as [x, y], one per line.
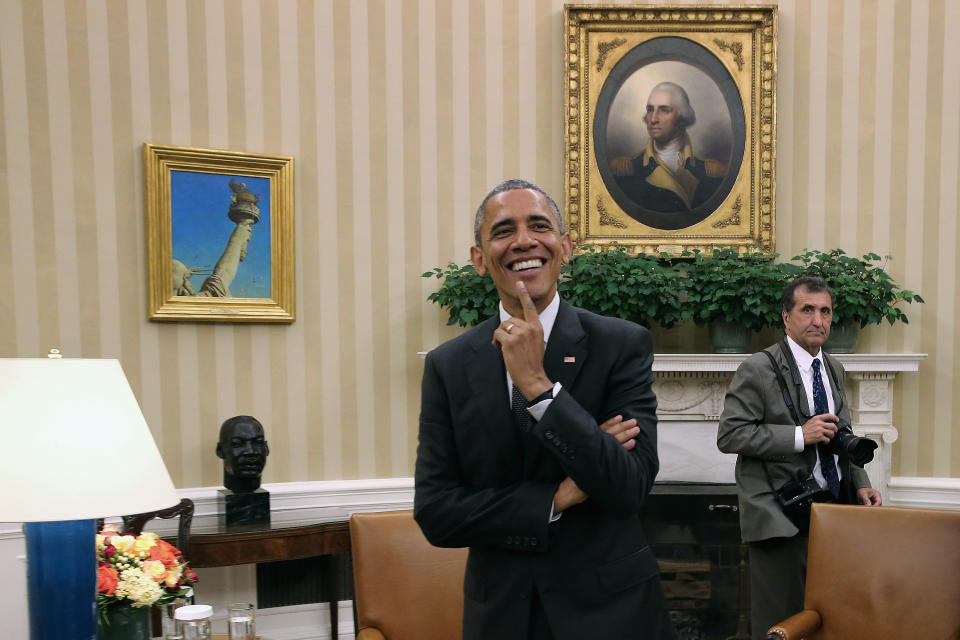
[220, 244]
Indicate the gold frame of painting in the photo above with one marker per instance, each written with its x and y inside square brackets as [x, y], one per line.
[712, 182]
[215, 219]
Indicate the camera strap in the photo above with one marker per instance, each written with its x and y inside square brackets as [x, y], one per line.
[783, 383]
[788, 400]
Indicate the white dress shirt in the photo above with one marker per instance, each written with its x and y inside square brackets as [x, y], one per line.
[805, 366]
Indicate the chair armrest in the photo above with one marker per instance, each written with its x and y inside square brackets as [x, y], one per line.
[370, 633]
[795, 627]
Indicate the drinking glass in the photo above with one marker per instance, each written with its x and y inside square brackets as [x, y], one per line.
[167, 622]
[240, 621]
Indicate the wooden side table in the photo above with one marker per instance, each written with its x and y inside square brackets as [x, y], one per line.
[214, 545]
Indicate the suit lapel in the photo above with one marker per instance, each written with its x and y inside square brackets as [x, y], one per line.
[563, 358]
[791, 374]
[788, 369]
[839, 395]
[567, 350]
[488, 384]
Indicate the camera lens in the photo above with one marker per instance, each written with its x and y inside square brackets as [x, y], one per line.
[858, 450]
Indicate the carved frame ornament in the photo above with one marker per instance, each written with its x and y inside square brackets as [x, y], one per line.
[220, 235]
[724, 191]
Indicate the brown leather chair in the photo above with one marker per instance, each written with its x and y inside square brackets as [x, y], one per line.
[879, 572]
[404, 587]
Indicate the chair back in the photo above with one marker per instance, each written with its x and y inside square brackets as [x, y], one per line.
[403, 585]
[134, 524]
[884, 572]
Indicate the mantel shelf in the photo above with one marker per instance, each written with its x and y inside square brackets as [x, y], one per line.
[728, 362]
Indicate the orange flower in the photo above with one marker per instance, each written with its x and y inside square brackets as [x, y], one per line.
[165, 553]
[173, 576]
[107, 579]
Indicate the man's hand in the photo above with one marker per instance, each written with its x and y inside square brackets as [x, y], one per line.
[521, 341]
[820, 428]
[869, 497]
[624, 430]
[568, 493]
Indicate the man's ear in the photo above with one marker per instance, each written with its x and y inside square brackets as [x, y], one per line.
[566, 246]
[219, 451]
[476, 257]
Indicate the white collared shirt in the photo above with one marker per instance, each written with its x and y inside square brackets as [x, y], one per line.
[805, 367]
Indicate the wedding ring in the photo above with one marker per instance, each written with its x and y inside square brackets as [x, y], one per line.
[508, 328]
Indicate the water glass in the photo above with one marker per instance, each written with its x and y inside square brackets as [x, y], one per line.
[241, 621]
[167, 622]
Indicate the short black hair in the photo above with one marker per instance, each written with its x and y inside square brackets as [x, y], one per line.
[510, 185]
[811, 284]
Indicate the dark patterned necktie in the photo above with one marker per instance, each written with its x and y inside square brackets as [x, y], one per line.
[827, 464]
[518, 405]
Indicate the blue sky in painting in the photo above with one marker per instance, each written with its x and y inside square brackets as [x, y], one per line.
[201, 228]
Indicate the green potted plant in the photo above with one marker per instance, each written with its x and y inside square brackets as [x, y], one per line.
[864, 293]
[469, 297]
[644, 289]
[735, 295]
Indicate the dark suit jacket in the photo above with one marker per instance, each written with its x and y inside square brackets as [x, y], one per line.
[482, 483]
[756, 424]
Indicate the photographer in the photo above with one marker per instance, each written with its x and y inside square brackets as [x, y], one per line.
[786, 417]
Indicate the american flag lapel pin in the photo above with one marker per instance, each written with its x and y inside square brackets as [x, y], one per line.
[569, 359]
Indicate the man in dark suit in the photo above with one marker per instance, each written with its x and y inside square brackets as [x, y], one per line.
[773, 448]
[538, 447]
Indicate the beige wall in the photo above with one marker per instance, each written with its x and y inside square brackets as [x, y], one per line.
[400, 115]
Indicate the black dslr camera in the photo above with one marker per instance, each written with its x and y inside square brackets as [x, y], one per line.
[795, 498]
[797, 494]
[857, 450]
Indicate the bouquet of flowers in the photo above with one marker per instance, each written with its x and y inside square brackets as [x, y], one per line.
[141, 571]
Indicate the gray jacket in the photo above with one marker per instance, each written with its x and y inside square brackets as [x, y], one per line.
[756, 424]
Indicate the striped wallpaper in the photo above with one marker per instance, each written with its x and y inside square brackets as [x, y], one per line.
[401, 114]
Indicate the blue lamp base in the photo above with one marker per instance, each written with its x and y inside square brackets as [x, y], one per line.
[62, 579]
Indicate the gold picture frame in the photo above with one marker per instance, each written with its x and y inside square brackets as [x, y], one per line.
[620, 61]
[220, 235]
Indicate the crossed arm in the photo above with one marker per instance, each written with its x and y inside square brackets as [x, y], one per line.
[615, 462]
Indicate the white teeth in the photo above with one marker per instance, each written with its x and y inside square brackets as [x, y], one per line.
[526, 264]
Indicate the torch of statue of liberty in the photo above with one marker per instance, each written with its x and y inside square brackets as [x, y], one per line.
[245, 212]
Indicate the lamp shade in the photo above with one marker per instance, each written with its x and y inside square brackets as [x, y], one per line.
[76, 444]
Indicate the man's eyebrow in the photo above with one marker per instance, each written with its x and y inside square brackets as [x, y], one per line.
[499, 225]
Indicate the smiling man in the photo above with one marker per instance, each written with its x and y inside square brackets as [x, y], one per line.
[667, 176]
[778, 444]
[537, 446]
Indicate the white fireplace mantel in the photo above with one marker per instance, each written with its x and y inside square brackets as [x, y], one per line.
[690, 389]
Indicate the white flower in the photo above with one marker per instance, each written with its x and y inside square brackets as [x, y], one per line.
[140, 589]
[123, 543]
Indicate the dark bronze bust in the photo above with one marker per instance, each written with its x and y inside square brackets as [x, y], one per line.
[244, 452]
